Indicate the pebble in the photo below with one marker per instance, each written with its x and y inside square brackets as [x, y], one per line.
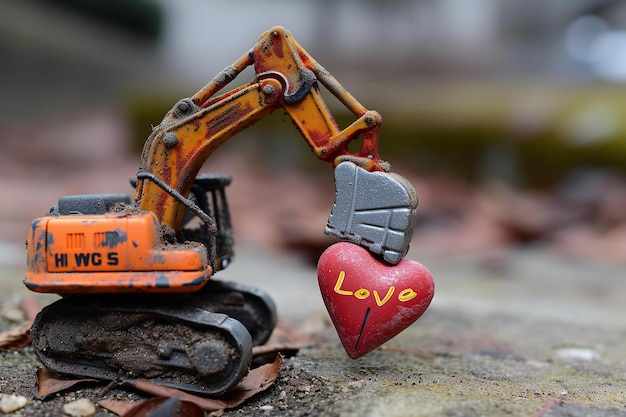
[11, 403]
[576, 353]
[80, 408]
[267, 409]
[356, 384]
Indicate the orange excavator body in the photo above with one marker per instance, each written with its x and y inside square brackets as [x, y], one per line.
[114, 252]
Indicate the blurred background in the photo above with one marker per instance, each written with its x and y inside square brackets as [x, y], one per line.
[506, 116]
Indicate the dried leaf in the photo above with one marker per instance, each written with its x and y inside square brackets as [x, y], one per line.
[207, 404]
[119, 407]
[256, 381]
[50, 382]
[16, 338]
[286, 340]
[19, 337]
[164, 407]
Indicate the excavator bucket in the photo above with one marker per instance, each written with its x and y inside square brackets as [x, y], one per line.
[376, 210]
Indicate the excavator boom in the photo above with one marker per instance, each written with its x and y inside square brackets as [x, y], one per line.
[286, 78]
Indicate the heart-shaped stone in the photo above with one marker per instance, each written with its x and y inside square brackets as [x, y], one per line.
[368, 300]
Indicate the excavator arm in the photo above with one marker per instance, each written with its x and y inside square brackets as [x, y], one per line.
[287, 78]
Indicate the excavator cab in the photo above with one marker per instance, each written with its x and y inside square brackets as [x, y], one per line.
[208, 196]
[208, 193]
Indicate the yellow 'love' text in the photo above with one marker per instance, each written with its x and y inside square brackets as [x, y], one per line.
[363, 293]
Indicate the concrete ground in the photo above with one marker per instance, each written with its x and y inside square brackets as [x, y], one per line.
[518, 333]
[506, 334]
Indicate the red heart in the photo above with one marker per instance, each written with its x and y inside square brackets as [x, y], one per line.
[370, 301]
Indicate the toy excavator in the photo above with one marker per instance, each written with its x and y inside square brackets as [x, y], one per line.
[134, 276]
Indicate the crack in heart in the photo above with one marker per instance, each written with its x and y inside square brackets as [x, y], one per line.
[358, 339]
